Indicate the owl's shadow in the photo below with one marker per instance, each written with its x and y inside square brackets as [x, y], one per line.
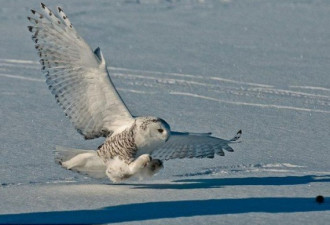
[191, 183]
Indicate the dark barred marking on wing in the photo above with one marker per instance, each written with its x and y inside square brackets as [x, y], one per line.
[194, 145]
[76, 76]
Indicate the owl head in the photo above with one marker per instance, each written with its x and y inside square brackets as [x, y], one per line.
[151, 132]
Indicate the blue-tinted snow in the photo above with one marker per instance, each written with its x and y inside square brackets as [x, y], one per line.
[261, 66]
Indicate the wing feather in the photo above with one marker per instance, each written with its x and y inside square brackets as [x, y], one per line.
[77, 76]
[194, 145]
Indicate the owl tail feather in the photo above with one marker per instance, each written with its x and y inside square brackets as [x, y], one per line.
[82, 161]
[63, 154]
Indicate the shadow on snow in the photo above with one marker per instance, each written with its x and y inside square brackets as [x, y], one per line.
[171, 209]
[186, 208]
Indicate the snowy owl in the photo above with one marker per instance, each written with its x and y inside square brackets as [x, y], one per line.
[79, 80]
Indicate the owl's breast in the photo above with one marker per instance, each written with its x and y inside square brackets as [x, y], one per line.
[148, 148]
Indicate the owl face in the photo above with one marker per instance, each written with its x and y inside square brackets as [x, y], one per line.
[151, 133]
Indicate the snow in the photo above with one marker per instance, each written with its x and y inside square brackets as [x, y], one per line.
[261, 66]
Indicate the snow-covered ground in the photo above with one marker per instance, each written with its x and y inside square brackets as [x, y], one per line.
[262, 66]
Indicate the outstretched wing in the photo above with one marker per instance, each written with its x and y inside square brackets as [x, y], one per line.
[192, 145]
[77, 76]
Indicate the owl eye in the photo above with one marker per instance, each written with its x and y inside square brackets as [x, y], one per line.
[160, 130]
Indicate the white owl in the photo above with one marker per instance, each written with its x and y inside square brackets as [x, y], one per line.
[79, 80]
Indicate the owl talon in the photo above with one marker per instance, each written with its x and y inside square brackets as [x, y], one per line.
[148, 159]
[140, 163]
[153, 167]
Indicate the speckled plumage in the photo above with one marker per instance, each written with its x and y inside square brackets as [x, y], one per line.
[81, 84]
[121, 145]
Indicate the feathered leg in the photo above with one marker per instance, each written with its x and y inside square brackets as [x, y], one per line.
[153, 167]
[139, 163]
[143, 166]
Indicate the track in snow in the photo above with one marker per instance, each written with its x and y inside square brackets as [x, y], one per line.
[222, 90]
